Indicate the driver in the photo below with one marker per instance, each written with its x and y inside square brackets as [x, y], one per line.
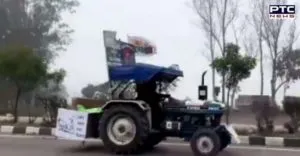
[147, 92]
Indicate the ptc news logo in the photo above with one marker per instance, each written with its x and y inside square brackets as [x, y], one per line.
[282, 12]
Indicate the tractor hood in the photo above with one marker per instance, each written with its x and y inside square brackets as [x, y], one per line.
[209, 103]
[215, 104]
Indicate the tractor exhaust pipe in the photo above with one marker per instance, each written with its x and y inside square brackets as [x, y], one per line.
[202, 90]
[203, 76]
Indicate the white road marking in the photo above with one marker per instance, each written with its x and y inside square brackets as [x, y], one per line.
[6, 129]
[266, 148]
[32, 130]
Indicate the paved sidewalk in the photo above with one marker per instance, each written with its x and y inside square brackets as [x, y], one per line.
[22, 119]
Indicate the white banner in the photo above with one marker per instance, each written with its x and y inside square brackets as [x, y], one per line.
[71, 124]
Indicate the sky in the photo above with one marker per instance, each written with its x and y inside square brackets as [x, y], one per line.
[170, 24]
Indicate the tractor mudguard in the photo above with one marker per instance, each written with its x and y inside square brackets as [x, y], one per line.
[229, 130]
[141, 104]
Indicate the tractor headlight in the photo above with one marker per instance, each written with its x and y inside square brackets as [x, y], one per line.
[222, 105]
[166, 100]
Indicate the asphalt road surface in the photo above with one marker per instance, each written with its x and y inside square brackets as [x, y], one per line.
[17, 146]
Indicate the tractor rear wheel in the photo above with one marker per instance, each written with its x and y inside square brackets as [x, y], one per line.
[124, 129]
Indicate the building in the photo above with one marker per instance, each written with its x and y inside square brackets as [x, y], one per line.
[244, 103]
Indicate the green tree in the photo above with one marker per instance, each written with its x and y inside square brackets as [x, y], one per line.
[235, 67]
[36, 24]
[288, 67]
[26, 70]
[291, 106]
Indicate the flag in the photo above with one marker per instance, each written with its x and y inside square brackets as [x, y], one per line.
[142, 45]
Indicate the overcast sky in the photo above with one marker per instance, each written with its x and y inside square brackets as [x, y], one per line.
[168, 23]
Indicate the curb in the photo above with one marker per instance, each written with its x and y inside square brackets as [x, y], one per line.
[245, 140]
[260, 141]
[270, 141]
[28, 130]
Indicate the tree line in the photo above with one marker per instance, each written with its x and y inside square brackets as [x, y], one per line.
[261, 38]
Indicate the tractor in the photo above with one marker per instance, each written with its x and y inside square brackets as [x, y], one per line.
[130, 126]
[138, 123]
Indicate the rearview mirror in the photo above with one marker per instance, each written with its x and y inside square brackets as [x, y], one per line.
[202, 92]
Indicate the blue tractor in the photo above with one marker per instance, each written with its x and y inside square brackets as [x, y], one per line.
[135, 125]
[138, 123]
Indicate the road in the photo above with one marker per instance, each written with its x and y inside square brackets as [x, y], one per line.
[50, 147]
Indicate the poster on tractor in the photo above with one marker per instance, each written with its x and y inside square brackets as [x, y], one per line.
[117, 51]
[120, 53]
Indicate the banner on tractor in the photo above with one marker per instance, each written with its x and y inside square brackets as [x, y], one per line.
[142, 45]
[71, 124]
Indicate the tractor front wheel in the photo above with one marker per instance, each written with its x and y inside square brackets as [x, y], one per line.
[205, 142]
[124, 129]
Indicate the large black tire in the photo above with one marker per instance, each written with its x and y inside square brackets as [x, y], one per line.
[141, 123]
[210, 142]
[153, 140]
